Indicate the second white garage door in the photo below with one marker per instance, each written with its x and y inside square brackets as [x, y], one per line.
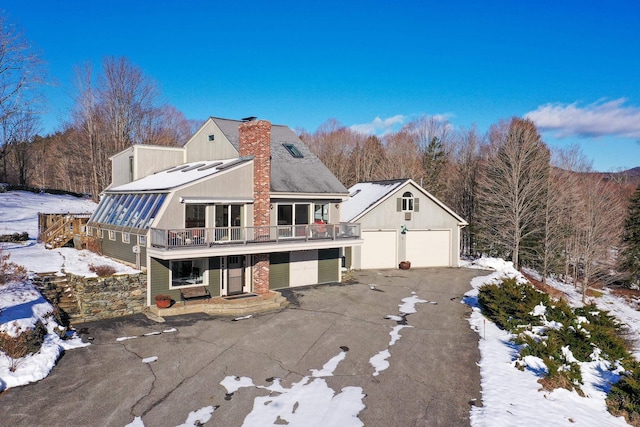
[379, 249]
[429, 248]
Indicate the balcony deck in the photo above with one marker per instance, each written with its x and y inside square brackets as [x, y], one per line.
[232, 236]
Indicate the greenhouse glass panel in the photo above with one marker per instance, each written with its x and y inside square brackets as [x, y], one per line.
[144, 212]
[154, 210]
[103, 207]
[126, 209]
[135, 213]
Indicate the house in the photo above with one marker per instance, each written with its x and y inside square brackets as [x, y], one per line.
[242, 207]
[401, 221]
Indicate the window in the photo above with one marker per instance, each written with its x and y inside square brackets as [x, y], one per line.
[89, 231]
[212, 137]
[294, 214]
[188, 272]
[112, 235]
[228, 219]
[126, 238]
[293, 150]
[130, 168]
[302, 214]
[407, 202]
[99, 233]
[321, 213]
[285, 214]
[142, 240]
[195, 216]
[228, 215]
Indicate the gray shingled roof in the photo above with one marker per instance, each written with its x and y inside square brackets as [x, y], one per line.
[288, 174]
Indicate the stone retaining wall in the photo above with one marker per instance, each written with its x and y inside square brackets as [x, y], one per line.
[108, 297]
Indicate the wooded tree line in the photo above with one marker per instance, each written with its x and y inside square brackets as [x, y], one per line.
[113, 108]
[539, 208]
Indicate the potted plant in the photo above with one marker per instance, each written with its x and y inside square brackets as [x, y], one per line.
[163, 301]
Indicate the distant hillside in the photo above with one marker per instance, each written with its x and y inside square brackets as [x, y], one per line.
[632, 176]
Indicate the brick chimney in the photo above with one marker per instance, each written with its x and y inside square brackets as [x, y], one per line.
[255, 140]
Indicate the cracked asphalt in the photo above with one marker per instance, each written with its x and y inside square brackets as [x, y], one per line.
[432, 379]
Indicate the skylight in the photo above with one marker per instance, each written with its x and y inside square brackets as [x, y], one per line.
[293, 150]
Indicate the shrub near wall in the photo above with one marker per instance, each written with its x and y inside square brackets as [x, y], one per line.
[108, 297]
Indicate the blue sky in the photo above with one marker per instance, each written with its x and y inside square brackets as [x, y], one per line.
[573, 67]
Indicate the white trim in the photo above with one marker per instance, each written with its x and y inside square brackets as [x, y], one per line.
[205, 275]
[213, 200]
[311, 196]
[224, 250]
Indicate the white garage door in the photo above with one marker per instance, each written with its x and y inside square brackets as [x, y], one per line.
[379, 249]
[430, 248]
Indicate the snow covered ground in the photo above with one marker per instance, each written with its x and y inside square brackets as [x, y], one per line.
[21, 305]
[512, 397]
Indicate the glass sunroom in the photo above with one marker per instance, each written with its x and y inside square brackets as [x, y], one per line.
[130, 212]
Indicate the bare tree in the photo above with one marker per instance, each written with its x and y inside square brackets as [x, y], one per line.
[462, 184]
[25, 131]
[367, 158]
[512, 188]
[116, 109]
[333, 144]
[402, 157]
[127, 100]
[86, 118]
[431, 136]
[600, 226]
[166, 126]
[21, 75]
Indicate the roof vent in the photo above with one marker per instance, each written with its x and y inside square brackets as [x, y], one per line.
[249, 119]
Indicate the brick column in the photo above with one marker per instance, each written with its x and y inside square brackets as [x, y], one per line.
[255, 140]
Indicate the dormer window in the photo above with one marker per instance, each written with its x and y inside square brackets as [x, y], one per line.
[293, 150]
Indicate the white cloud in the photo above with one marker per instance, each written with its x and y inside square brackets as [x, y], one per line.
[379, 126]
[601, 118]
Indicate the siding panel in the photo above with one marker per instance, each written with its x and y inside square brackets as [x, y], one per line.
[214, 276]
[159, 278]
[279, 270]
[328, 265]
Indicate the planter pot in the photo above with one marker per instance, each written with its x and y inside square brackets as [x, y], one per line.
[163, 301]
[405, 265]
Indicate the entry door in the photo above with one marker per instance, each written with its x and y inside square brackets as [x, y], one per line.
[235, 273]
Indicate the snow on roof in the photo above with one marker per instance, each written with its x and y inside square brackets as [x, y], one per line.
[365, 194]
[178, 175]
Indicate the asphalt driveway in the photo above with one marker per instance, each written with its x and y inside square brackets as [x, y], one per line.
[431, 379]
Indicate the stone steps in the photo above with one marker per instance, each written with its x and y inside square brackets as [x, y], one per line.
[219, 306]
[57, 291]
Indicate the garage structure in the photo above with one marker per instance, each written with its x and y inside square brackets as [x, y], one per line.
[401, 221]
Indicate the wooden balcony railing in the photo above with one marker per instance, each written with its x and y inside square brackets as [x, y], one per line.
[210, 237]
